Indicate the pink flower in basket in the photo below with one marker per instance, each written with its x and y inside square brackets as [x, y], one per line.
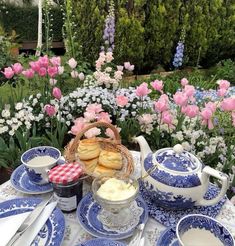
[92, 132]
[79, 124]
[94, 107]
[104, 117]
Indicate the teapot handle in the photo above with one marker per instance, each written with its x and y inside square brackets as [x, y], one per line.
[206, 173]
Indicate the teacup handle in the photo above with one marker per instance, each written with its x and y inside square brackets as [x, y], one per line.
[206, 173]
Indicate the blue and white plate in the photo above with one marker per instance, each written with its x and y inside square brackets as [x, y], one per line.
[170, 218]
[168, 238]
[53, 231]
[21, 182]
[88, 213]
[101, 242]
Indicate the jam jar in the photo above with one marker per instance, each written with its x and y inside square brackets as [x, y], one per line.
[67, 185]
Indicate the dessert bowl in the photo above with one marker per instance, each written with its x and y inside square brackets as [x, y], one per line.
[115, 194]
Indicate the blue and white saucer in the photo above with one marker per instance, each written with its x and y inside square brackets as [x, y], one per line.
[20, 181]
[51, 234]
[101, 242]
[88, 216]
[168, 238]
[170, 218]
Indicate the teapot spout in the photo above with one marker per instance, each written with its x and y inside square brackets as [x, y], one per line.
[144, 147]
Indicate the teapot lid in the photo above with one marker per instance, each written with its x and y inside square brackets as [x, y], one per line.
[176, 159]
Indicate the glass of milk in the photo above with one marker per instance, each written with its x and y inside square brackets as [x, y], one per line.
[38, 161]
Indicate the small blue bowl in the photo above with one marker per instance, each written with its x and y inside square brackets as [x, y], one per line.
[198, 229]
[38, 173]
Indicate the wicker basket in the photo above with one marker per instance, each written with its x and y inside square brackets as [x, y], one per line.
[70, 152]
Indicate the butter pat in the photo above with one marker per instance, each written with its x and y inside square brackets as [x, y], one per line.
[116, 190]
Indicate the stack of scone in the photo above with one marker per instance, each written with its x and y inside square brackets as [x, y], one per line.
[96, 160]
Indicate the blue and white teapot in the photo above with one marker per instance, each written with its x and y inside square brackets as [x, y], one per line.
[176, 179]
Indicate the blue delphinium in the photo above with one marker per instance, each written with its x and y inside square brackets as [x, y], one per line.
[178, 58]
[109, 30]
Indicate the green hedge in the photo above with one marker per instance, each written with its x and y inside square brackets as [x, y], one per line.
[24, 20]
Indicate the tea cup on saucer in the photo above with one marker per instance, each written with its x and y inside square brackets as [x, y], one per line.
[38, 162]
[198, 229]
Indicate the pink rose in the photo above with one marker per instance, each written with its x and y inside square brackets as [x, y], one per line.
[228, 104]
[224, 84]
[104, 117]
[55, 61]
[109, 133]
[52, 71]
[56, 92]
[94, 107]
[17, 67]
[8, 72]
[92, 132]
[79, 124]
[74, 74]
[157, 85]
[90, 116]
[60, 70]
[167, 118]
[120, 68]
[43, 61]
[29, 73]
[81, 76]
[207, 117]
[142, 90]
[180, 98]
[35, 66]
[42, 72]
[189, 90]
[191, 110]
[121, 101]
[161, 105]
[184, 82]
[72, 63]
[50, 110]
[52, 82]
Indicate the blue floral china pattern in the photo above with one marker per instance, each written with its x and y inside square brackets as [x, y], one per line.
[38, 174]
[88, 215]
[176, 178]
[53, 231]
[168, 238]
[20, 181]
[204, 223]
[169, 217]
[101, 242]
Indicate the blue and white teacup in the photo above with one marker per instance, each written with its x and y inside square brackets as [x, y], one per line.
[38, 161]
[198, 229]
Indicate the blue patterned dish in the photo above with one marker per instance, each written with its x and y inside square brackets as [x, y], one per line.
[168, 238]
[171, 217]
[51, 234]
[101, 242]
[20, 181]
[88, 216]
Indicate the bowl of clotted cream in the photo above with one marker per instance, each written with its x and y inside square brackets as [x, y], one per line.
[115, 195]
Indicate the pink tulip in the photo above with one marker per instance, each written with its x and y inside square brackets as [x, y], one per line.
[93, 132]
[180, 98]
[164, 97]
[50, 110]
[131, 68]
[142, 90]
[81, 76]
[35, 66]
[17, 67]
[52, 71]
[74, 74]
[60, 70]
[228, 104]
[157, 85]
[211, 106]
[121, 101]
[72, 63]
[8, 72]
[104, 117]
[222, 92]
[161, 105]
[79, 125]
[207, 117]
[42, 72]
[120, 68]
[52, 82]
[55, 61]
[127, 65]
[29, 73]
[224, 84]
[56, 92]
[189, 90]
[233, 118]
[191, 110]
[94, 107]
[109, 133]
[43, 61]
[167, 118]
[184, 82]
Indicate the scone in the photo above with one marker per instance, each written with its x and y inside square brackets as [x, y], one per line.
[101, 170]
[110, 159]
[88, 149]
[90, 165]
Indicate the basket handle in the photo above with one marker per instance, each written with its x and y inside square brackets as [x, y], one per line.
[117, 139]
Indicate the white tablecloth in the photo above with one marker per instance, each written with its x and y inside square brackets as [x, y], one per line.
[75, 234]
